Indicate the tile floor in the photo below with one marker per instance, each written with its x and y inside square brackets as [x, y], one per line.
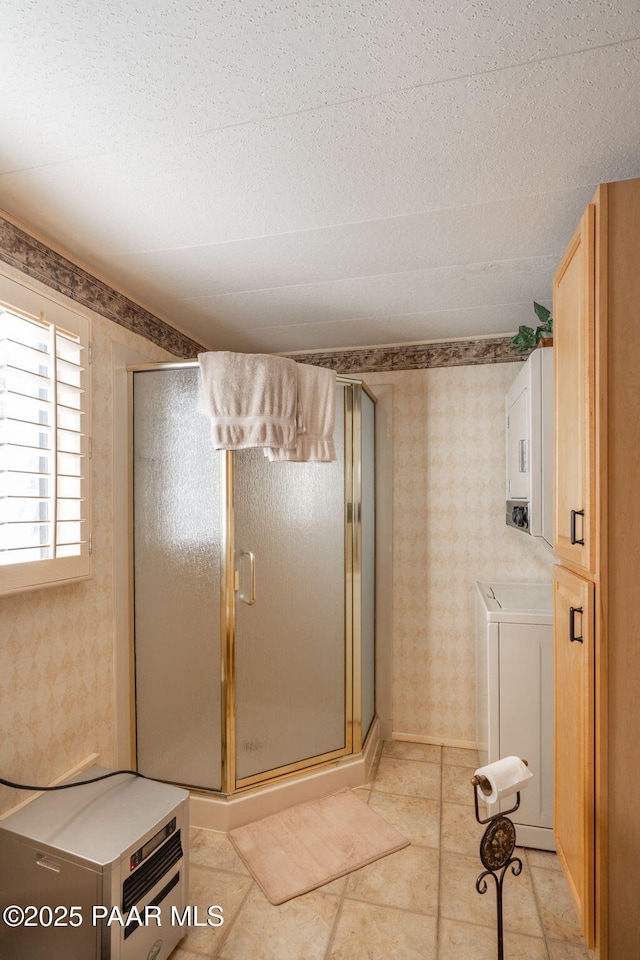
[418, 904]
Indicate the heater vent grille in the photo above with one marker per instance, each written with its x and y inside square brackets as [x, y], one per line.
[147, 875]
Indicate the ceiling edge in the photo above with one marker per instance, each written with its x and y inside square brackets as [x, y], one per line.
[39, 261]
[36, 259]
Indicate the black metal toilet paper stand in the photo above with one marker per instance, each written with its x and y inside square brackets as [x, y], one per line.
[496, 852]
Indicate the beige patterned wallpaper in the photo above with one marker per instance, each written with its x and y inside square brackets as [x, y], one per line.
[57, 685]
[56, 655]
[449, 531]
[57, 644]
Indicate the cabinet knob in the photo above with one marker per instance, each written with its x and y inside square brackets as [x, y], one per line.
[574, 514]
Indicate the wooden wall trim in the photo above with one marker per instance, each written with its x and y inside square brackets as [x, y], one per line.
[453, 353]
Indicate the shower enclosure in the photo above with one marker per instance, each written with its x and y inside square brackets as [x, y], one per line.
[253, 594]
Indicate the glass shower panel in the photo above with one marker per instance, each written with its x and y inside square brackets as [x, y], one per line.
[368, 561]
[177, 547]
[290, 645]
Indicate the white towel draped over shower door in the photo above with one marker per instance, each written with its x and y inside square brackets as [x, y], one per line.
[317, 387]
[251, 399]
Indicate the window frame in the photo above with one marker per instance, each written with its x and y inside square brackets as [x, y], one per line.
[33, 299]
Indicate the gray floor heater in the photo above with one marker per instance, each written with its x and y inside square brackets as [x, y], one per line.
[72, 862]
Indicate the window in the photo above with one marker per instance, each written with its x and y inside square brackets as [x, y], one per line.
[44, 443]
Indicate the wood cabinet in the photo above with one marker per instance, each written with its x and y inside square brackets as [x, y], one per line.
[574, 302]
[574, 734]
[597, 583]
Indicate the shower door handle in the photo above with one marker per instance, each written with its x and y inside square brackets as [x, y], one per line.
[252, 578]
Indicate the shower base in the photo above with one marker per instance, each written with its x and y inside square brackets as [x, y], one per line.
[215, 812]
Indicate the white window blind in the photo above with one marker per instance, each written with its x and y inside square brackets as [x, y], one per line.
[44, 535]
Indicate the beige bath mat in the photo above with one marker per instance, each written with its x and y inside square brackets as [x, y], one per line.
[312, 843]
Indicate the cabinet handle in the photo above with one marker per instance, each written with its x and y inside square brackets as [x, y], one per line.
[574, 514]
[572, 624]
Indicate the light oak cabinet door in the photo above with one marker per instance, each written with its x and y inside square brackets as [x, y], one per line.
[597, 465]
[574, 738]
[573, 334]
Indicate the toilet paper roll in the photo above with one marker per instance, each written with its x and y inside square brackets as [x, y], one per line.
[505, 776]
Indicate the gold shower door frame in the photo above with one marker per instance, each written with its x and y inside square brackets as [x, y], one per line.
[353, 613]
[353, 598]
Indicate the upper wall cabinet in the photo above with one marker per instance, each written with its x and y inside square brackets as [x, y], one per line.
[573, 311]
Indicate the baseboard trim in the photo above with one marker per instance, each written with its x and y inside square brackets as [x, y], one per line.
[89, 761]
[438, 741]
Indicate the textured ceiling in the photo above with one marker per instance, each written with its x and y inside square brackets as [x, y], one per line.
[282, 176]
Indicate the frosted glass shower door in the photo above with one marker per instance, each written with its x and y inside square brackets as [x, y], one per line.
[177, 547]
[290, 643]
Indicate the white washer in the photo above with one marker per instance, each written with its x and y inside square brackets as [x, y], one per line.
[515, 697]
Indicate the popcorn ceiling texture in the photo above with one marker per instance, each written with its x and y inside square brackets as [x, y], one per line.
[370, 171]
[57, 648]
[449, 531]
